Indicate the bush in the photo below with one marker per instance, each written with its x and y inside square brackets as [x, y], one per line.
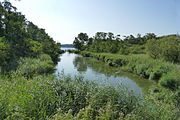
[161, 69]
[171, 80]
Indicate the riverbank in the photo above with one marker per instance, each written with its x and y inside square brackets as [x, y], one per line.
[31, 92]
[97, 71]
[165, 73]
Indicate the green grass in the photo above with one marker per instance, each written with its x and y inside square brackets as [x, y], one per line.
[36, 66]
[41, 96]
[73, 51]
[144, 66]
[45, 97]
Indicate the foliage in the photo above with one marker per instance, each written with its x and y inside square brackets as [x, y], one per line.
[40, 97]
[25, 99]
[153, 48]
[167, 48]
[171, 80]
[110, 43]
[73, 51]
[4, 52]
[25, 94]
[142, 65]
[41, 65]
[21, 38]
[80, 40]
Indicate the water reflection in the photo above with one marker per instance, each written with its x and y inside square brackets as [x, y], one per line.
[94, 70]
[80, 64]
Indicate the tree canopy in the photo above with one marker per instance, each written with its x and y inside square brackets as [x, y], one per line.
[21, 38]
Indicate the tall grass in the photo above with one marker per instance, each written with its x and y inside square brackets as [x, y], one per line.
[41, 96]
[144, 66]
[44, 97]
[36, 66]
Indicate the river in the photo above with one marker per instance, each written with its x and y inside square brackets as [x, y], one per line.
[91, 69]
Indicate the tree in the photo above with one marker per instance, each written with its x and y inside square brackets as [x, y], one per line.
[4, 51]
[167, 48]
[153, 48]
[149, 36]
[117, 37]
[170, 48]
[90, 41]
[110, 35]
[80, 41]
[101, 36]
[21, 38]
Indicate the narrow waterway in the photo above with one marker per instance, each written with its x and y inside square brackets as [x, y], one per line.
[91, 69]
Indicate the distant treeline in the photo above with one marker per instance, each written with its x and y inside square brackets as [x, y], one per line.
[21, 38]
[163, 47]
[149, 56]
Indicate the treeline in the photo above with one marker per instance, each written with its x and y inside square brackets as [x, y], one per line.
[21, 38]
[165, 47]
[149, 56]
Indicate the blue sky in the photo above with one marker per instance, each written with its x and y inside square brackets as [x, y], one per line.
[64, 19]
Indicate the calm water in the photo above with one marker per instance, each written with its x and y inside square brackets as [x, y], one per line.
[68, 48]
[97, 71]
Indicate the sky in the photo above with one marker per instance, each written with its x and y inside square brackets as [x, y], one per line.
[65, 19]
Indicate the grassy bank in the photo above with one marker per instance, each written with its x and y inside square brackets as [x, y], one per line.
[73, 51]
[166, 73]
[32, 93]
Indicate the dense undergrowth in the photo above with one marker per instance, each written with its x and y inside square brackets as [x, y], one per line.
[166, 73]
[31, 92]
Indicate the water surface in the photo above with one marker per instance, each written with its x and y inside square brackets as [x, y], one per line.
[97, 71]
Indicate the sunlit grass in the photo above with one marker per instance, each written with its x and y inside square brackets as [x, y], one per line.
[142, 65]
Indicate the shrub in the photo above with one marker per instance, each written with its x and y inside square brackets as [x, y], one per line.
[160, 69]
[171, 80]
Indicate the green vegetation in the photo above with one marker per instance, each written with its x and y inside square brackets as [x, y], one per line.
[36, 66]
[29, 91]
[149, 56]
[142, 65]
[33, 96]
[83, 64]
[109, 43]
[73, 51]
[167, 48]
[21, 38]
[152, 57]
